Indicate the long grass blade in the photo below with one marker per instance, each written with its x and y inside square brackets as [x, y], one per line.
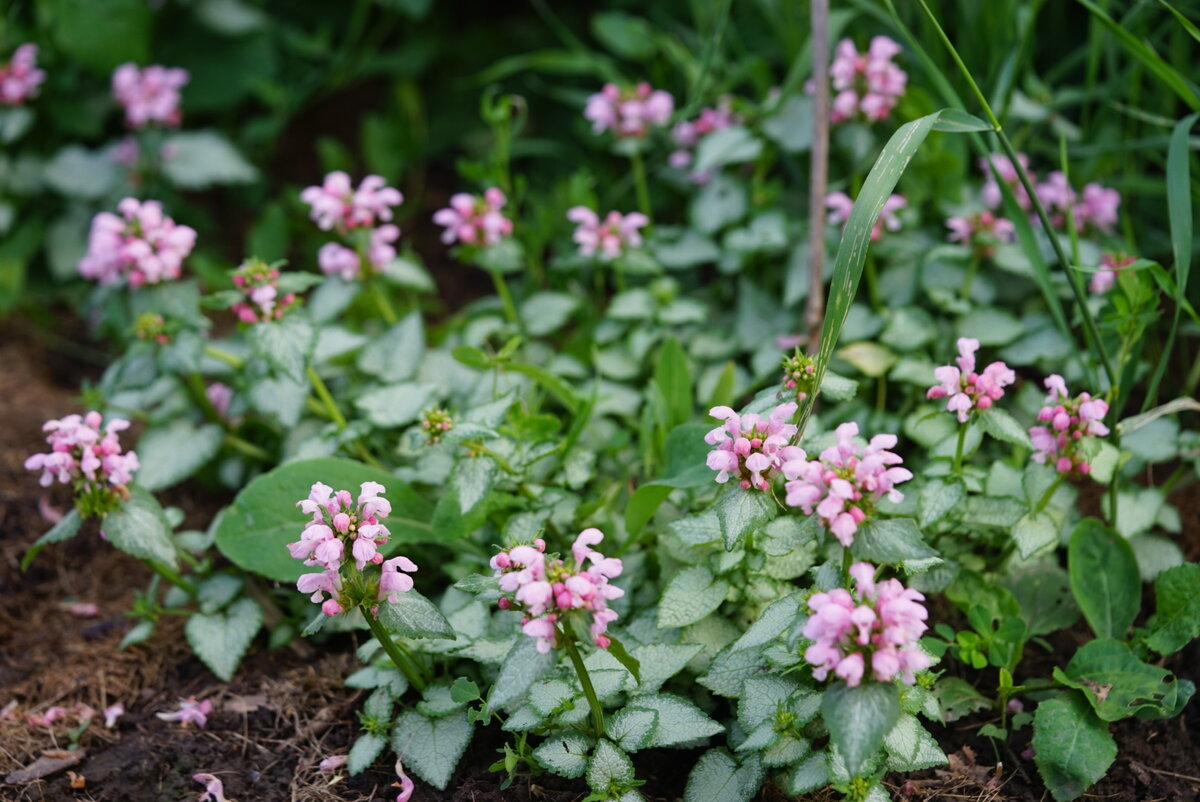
[1187, 24]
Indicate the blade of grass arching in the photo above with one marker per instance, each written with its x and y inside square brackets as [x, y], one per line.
[1006, 82]
[1187, 24]
[1179, 213]
[856, 237]
[706, 61]
[1143, 53]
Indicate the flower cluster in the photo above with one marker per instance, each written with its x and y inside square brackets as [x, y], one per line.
[20, 77]
[152, 327]
[1110, 264]
[799, 374]
[877, 627]
[149, 95]
[840, 206]
[86, 452]
[1094, 207]
[982, 231]
[1007, 171]
[611, 237]
[750, 448]
[1069, 421]
[966, 389]
[435, 423]
[868, 83]
[259, 285]
[356, 214]
[846, 483]
[630, 112]
[220, 395]
[339, 520]
[687, 134]
[140, 244]
[474, 219]
[545, 590]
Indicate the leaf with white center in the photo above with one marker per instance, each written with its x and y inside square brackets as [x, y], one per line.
[220, 639]
[431, 748]
[522, 719]
[609, 768]
[910, 747]
[787, 750]
[993, 511]
[139, 527]
[473, 479]
[717, 777]
[545, 312]
[763, 737]
[279, 397]
[414, 616]
[285, 344]
[521, 668]
[1034, 532]
[658, 662]
[990, 326]
[608, 682]
[938, 497]
[890, 540]
[396, 354]
[409, 274]
[808, 775]
[1003, 426]
[438, 700]
[371, 677]
[566, 755]
[692, 594]
[78, 172]
[364, 752]
[217, 591]
[169, 454]
[859, 718]
[733, 145]
[65, 529]
[396, 404]
[632, 727]
[773, 622]
[740, 512]
[790, 125]
[679, 721]
[546, 697]
[200, 159]
[732, 667]
[762, 697]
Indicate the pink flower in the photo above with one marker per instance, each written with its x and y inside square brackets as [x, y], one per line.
[112, 713]
[190, 712]
[877, 627]
[846, 483]
[629, 112]
[751, 448]
[83, 453]
[333, 763]
[840, 206]
[474, 220]
[1097, 208]
[1070, 420]
[1056, 196]
[20, 77]
[51, 715]
[337, 205]
[392, 581]
[406, 783]
[141, 245]
[220, 395]
[966, 389]
[1103, 280]
[612, 237]
[338, 260]
[687, 135]
[259, 285]
[868, 83]
[82, 609]
[214, 790]
[982, 231]
[992, 195]
[149, 95]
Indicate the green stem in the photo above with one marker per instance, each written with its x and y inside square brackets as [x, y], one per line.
[171, 576]
[246, 447]
[233, 360]
[847, 561]
[584, 680]
[506, 299]
[639, 181]
[396, 652]
[381, 301]
[958, 449]
[972, 268]
[504, 464]
[323, 393]
[1045, 499]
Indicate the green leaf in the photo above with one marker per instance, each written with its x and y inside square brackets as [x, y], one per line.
[868, 358]
[762, 697]
[733, 145]
[396, 354]
[859, 718]
[431, 748]
[546, 312]
[679, 721]
[685, 467]
[1176, 620]
[1044, 595]
[990, 326]
[910, 747]
[1072, 747]
[890, 540]
[691, 594]
[139, 634]
[632, 664]
[731, 668]
[139, 527]
[396, 404]
[200, 159]
[1117, 684]
[609, 767]
[286, 344]
[364, 752]
[741, 512]
[624, 34]
[720, 202]
[1104, 578]
[79, 173]
[217, 591]
[564, 754]
[673, 375]
[791, 126]
[959, 122]
[1034, 532]
[523, 666]
[547, 696]
[773, 622]
[220, 639]
[414, 616]
[717, 777]
[169, 454]
[263, 519]
[958, 698]
[938, 497]
[65, 529]
[74, 26]
[808, 775]
[1003, 426]
[631, 727]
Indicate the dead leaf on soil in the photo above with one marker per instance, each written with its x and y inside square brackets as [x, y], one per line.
[77, 780]
[50, 762]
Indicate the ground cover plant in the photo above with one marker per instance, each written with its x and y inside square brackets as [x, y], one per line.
[716, 403]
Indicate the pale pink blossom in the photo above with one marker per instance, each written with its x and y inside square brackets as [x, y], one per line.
[392, 581]
[82, 609]
[687, 135]
[86, 452]
[261, 301]
[47, 718]
[406, 783]
[612, 237]
[149, 95]
[992, 195]
[867, 84]
[840, 206]
[1097, 207]
[750, 448]
[629, 112]
[1057, 197]
[475, 220]
[1067, 422]
[112, 713]
[220, 395]
[846, 482]
[875, 628]
[190, 712]
[333, 763]
[336, 204]
[20, 77]
[140, 245]
[967, 390]
[336, 259]
[982, 231]
[214, 790]
[1104, 279]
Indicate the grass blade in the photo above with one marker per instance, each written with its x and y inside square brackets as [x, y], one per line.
[1187, 24]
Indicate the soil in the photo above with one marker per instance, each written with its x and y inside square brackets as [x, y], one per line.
[288, 709]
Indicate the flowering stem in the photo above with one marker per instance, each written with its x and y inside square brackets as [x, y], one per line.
[586, 681]
[639, 182]
[233, 360]
[336, 414]
[972, 268]
[1045, 499]
[381, 301]
[396, 652]
[171, 576]
[958, 450]
[246, 447]
[510, 308]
